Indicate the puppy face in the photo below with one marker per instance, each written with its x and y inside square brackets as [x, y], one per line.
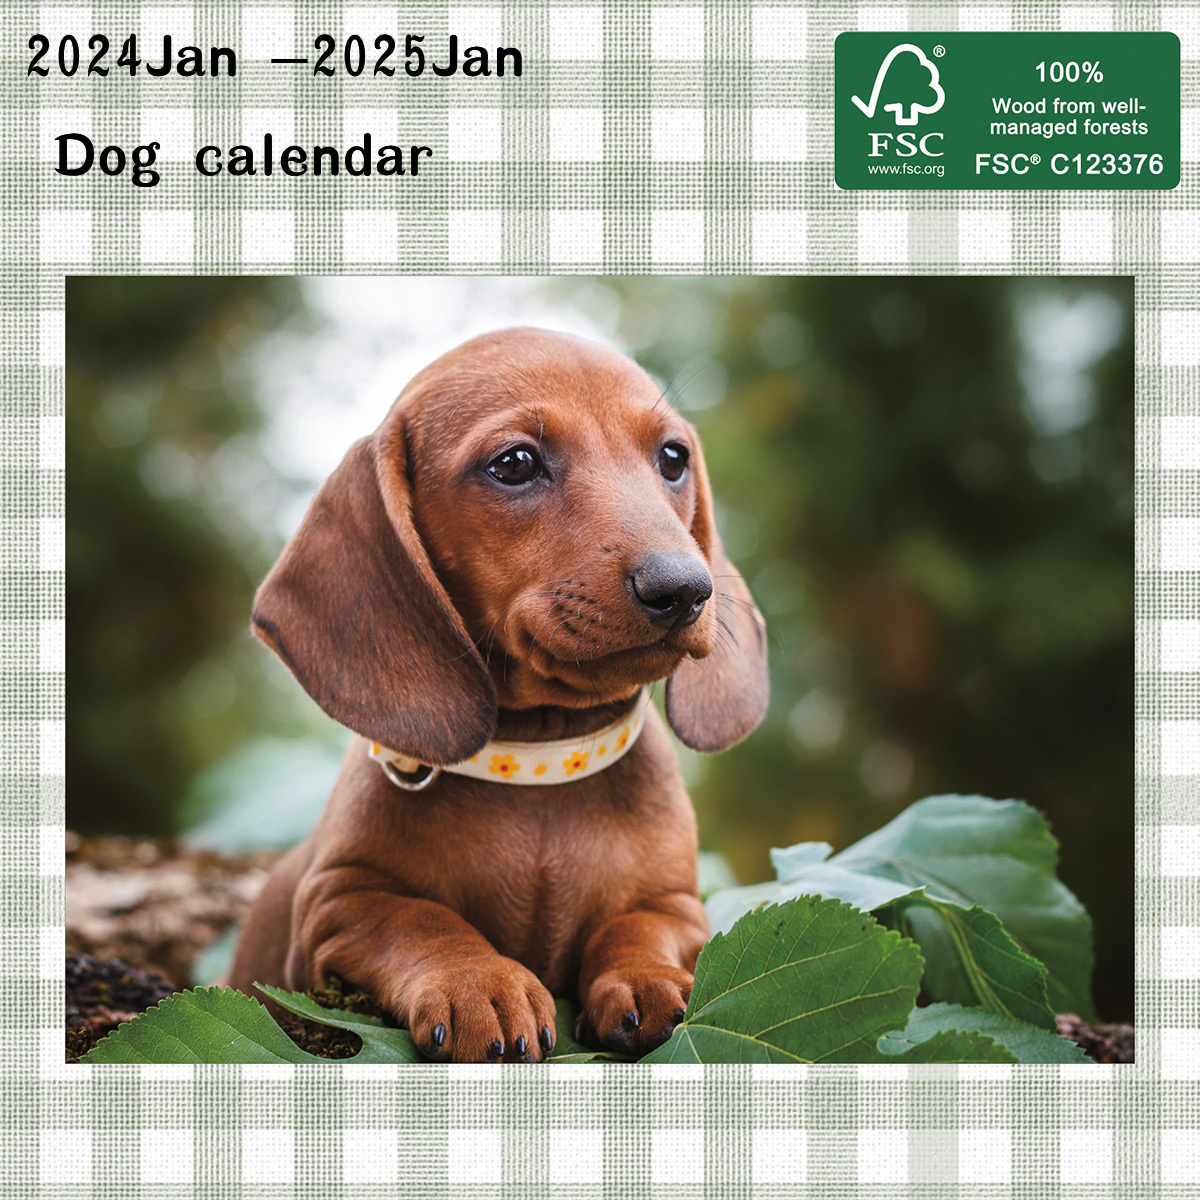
[556, 491]
[531, 524]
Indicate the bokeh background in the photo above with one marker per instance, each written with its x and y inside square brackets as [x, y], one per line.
[928, 484]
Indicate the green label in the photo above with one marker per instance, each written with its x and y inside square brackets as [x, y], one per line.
[1006, 110]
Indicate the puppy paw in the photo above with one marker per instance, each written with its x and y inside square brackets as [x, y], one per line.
[486, 1009]
[633, 1010]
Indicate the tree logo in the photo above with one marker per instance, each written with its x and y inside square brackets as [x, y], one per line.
[898, 108]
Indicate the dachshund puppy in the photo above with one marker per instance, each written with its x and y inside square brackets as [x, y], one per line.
[481, 592]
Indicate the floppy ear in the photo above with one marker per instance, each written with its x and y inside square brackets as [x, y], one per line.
[716, 701]
[353, 607]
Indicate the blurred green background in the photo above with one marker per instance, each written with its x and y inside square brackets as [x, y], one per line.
[928, 484]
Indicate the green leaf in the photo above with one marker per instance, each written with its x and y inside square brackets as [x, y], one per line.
[964, 826]
[793, 862]
[220, 1025]
[998, 855]
[207, 1025]
[810, 980]
[1024, 1042]
[1000, 975]
[865, 892]
[380, 1043]
[950, 1046]
[726, 907]
[803, 871]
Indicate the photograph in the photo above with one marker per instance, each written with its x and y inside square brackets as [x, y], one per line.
[599, 669]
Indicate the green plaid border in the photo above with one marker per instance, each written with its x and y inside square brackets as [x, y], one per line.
[665, 137]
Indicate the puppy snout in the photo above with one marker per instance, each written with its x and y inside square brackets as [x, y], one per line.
[671, 589]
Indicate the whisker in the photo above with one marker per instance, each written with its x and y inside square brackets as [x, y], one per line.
[742, 605]
[486, 644]
[677, 394]
[579, 639]
[769, 627]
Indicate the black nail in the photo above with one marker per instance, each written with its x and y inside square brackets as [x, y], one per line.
[547, 1039]
[630, 1020]
[496, 1049]
[579, 1029]
[520, 1045]
[678, 1015]
[439, 1034]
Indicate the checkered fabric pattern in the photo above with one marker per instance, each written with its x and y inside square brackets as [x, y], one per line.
[666, 136]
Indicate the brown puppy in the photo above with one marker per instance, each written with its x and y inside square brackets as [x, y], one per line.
[524, 542]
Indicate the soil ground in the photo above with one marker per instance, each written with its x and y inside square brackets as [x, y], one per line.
[154, 904]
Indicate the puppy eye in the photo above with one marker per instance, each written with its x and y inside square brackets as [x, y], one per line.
[516, 466]
[673, 461]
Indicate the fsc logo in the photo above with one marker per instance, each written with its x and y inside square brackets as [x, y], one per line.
[898, 106]
[948, 110]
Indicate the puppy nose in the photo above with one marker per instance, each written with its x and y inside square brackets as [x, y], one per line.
[671, 589]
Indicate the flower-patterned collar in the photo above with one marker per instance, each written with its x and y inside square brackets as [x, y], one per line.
[526, 762]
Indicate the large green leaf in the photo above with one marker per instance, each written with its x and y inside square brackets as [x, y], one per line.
[1024, 1042]
[207, 1025]
[999, 974]
[963, 827]
[937, 866]
[803, 871]
[1001, 856]
[810, 980]
[220, 1025]
[970, 958]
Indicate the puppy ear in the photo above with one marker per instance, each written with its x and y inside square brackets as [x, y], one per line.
[353, 607]
[716, 701]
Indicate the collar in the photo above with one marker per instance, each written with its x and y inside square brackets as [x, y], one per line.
[535, 763]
